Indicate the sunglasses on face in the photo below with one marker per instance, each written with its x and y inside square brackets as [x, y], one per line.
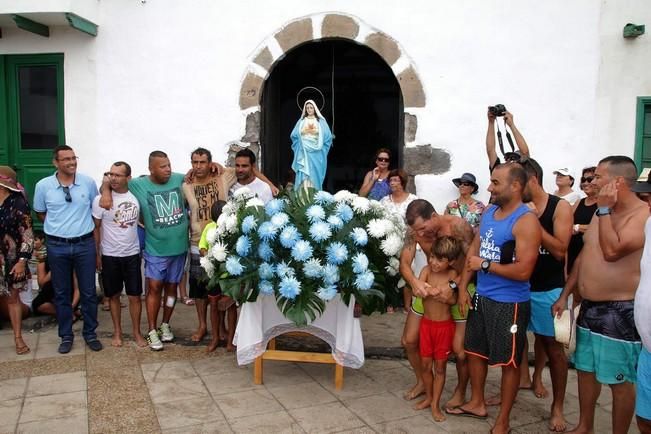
[465, 184]
[587, 179]
[382, 160]
[66, 190]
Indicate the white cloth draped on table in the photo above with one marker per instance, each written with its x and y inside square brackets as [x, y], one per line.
[261, 321]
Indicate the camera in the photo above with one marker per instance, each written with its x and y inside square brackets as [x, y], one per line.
[497, 110]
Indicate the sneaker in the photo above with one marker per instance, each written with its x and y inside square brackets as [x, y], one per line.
[154, 342]
[165, 333]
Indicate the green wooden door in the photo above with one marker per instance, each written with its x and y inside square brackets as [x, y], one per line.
[643, 133]
[33, 114]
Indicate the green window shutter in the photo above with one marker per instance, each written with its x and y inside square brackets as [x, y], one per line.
[643, 133]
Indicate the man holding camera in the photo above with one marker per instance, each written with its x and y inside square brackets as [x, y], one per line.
[493, 113]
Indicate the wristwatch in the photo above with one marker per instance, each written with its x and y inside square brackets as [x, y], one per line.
[603, 210]
[453, 285]
[485, 265]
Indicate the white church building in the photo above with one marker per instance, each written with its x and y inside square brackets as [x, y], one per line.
[116, 79]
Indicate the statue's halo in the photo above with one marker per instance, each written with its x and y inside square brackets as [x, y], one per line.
[312, 89]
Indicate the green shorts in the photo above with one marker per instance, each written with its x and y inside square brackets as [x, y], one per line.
[454, 310]
[418, 308]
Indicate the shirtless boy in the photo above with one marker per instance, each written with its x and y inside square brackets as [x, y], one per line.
[437, 327]
[607, 274]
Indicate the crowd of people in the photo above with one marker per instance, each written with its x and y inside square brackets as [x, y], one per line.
[478, 276]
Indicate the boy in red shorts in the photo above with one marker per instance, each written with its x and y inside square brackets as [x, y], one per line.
[437, 327]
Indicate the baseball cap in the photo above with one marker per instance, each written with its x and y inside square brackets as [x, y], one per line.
[565, 171]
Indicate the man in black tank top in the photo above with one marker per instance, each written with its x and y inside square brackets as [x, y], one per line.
[547, 281]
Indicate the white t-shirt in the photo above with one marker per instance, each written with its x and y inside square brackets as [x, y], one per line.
[119, 228]
[572, 197]
[643, 293]
[258, 187]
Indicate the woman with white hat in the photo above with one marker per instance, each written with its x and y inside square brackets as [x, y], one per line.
[466, 206]
[15, 250]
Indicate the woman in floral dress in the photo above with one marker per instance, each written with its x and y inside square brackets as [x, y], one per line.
[15, 250]
[465, 206]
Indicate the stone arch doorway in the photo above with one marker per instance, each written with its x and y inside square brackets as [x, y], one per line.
[328, 28]
[363, 106]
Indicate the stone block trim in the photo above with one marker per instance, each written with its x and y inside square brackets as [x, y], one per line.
[421, 160]
[295, 33]
[340, 26]
[252, 128]
[411, 125]
[385, 46]
[413, 94]
[264, 58]
[234, 147]
[250, 91]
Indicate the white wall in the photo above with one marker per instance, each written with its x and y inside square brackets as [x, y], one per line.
[164, 74]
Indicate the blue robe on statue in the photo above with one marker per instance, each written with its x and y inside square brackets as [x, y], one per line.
[310, 152]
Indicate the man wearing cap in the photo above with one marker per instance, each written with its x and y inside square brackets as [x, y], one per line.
[465, 206]
[642, 308]
[63, 202]
[565, 182]
[606, 275]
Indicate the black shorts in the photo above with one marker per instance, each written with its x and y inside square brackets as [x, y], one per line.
[121, 272]
[45, 295]
[497, 331]
[199, 280]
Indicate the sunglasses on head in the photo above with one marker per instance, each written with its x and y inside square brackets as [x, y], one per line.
[587, 179]
[66, 190]
[382, 160]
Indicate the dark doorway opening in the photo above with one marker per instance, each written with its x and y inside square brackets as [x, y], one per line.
[367, 109]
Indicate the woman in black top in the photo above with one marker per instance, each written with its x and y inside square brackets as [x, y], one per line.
[583, 212]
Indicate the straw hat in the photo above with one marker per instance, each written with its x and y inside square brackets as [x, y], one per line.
[565, 329]
[8, 179]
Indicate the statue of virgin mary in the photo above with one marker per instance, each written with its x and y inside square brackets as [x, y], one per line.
[311, 141]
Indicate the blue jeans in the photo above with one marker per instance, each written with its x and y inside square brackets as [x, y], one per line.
[63, 258]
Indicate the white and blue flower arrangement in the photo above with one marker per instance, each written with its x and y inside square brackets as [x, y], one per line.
[304, 248]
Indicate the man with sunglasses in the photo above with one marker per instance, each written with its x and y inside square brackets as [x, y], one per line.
[606, 275]
[63, 201]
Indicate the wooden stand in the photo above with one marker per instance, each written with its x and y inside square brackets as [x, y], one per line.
[296, 356]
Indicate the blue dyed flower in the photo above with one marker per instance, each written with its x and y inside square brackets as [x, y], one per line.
[289, 287]
[243, 245]
[320, 231]
[265, 287]
[284, 270]
[336, 221]
[365, 280]
[313, 268]
[289, 236]
[344, 212]
[274, 206]
[279, 219]
[323, 198]
[360, 263]
[233, 266]
[266, 270]
[330, 274]
[302, 251]
[249, 223]
[315, 213]
[337, 253]
[359, 236]
[267, 231]
[264, 251]
[327, 292]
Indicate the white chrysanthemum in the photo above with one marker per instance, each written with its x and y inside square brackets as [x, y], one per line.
[361, 204]
[211, 235]
[254, 202]
[279, 219]
[344, 196]
[377, 228]
[243, 192]
[393, 267]
[377, 206]
[227, 209]
[391, 245]
[207, 265]
[219, 251]
[401, 283]
[231, 223]
[221, 220]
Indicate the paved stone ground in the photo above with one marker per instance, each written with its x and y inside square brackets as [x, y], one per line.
[183, 389]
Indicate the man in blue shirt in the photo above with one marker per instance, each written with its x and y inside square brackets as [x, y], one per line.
[63, 202]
